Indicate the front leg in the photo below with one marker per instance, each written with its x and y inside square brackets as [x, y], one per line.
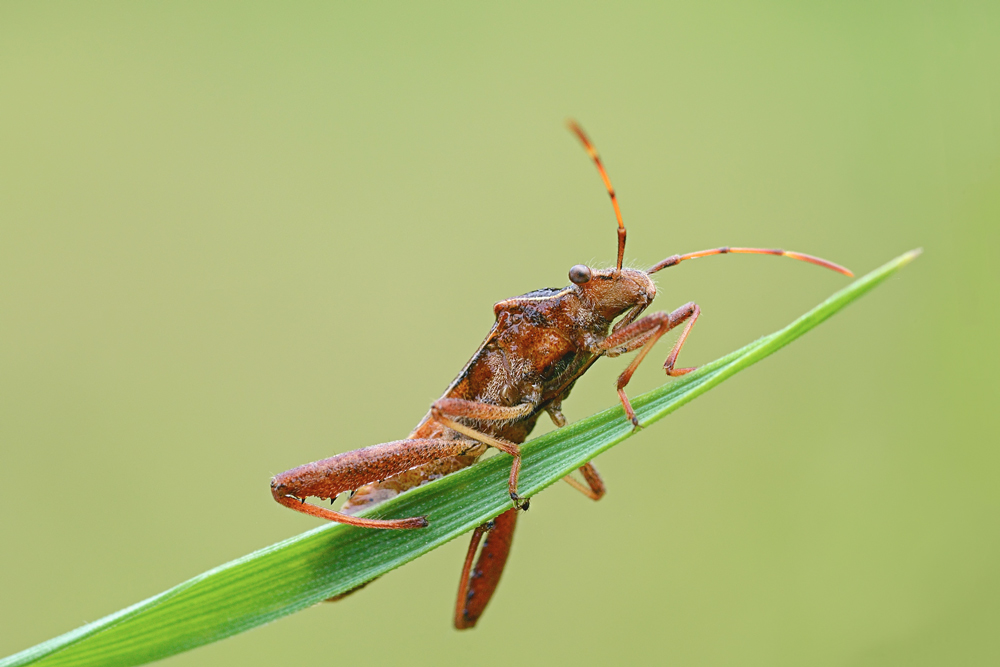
[444, 409]
[642, 335]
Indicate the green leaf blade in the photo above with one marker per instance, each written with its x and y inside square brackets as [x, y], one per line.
[332, 559]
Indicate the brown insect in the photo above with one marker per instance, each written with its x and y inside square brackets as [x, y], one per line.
[540, 345]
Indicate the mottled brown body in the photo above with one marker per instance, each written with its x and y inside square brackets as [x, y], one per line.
[539, 346]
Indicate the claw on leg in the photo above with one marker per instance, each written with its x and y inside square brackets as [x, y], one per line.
[520, 503]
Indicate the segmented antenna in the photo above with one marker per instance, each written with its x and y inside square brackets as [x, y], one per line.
[572, 124]
[673, 260]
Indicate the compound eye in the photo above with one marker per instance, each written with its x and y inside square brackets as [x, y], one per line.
[580, 274]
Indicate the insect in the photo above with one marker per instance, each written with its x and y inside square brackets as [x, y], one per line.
[539, 346]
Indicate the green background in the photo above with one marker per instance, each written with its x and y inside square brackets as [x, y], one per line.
[237, 238]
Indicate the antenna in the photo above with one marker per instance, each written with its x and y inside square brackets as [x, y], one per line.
[572, 124]
[673, 260]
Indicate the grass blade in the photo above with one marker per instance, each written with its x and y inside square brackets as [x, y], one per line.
[334, 558]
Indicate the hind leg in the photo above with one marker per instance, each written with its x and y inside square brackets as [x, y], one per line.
[478, 583]
[330, 477]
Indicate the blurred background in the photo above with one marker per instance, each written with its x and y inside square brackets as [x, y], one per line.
[239, 237]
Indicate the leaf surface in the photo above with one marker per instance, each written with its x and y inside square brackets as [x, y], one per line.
[334, 558]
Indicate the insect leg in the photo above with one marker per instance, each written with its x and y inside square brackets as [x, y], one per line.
[642, 335]
[457, 407]
[689, 312]
[477, 585]
[555, 413]
[330, 477]
[594, 489]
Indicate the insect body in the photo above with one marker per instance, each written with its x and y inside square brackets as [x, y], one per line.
[540, 344]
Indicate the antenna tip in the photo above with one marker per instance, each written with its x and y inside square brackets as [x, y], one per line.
[575, 128]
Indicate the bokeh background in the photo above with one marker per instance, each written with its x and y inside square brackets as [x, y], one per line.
[237, 237]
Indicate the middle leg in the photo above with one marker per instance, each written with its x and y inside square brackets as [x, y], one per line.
[444, 409]
[594, 488]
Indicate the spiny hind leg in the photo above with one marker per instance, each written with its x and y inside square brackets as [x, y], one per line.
[330, 477]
